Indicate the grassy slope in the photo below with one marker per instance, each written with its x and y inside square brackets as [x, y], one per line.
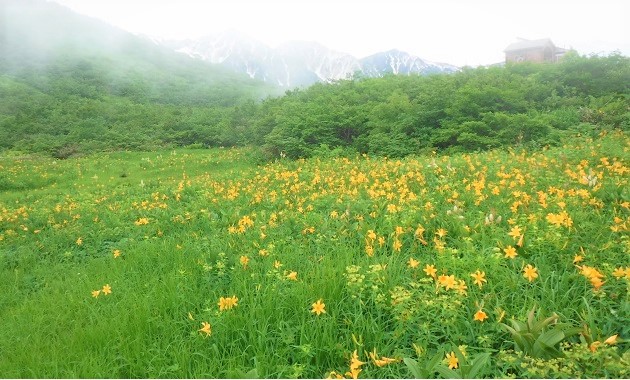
[61, 222]
[61, 53]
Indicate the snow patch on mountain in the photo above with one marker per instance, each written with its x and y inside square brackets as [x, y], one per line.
[298, 63]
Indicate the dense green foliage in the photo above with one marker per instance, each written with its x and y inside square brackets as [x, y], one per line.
[473, 109]
[118, 265]
[92, 105]
[70, 83]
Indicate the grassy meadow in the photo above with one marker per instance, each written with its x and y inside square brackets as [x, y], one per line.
[201, 263]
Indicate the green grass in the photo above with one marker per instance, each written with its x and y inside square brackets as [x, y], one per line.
[183, 220]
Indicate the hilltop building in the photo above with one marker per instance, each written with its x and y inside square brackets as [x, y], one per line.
[533, 51]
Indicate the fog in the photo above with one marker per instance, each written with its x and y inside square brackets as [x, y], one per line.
[452, 31]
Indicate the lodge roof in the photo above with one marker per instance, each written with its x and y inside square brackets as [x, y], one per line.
[523, 44]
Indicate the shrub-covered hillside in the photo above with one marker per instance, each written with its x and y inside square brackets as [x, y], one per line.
[70, 84]
[473, 109]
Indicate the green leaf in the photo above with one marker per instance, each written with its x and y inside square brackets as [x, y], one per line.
[478, 363]
[447, 373]
[542, 324]
[530, 318]
[252, 374]
[460, 356]
[519, 326]
[414, 368]
[434, 361]
[428, 370]
[550, 338]
[570, 331]
[507, 328]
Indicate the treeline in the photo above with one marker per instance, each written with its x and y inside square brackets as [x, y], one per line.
[71, 84]
[76, 107]
[63, 105]
[474, 109]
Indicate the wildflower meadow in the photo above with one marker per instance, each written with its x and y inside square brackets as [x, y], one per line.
[202, 263]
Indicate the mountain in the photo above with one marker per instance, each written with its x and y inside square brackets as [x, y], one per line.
[298, 63]
[291, 64]
[400, 63]
[70, 83]
[46, 45]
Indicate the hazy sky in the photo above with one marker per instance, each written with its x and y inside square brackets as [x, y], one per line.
[459, 32]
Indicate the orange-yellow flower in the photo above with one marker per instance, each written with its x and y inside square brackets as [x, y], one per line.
[480, 278]
[448, 282]
[430, 270]
[530, 273]
[619, 272]
[596, 282]
[382, 361]
[334, 375]
[319, 307]
[510, 252]
[461, 287]
[452, 360]
[205, 328]
[418, 234]
[141, 221]
[611, 340]
[227, 303]
[355, 366]
[480, 316]
[354, 373]
[244, 261]
[590, 272]
[578, 259]
[116, 253]
[520, 241]
[515, 232]
[107, 289]
[79, 241]
[95, 293]
[413, 263]
[292, 276]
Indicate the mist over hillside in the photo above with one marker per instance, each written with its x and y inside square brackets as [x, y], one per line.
[43, 38]
[68, 79]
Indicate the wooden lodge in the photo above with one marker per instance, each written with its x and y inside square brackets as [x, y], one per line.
[539, 51]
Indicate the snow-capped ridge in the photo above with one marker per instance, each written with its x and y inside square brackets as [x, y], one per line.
[297, 63]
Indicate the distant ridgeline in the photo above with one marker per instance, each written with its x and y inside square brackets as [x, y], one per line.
[71, 84]
[299, 63]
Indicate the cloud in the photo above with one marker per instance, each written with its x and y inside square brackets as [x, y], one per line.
[453, 31]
